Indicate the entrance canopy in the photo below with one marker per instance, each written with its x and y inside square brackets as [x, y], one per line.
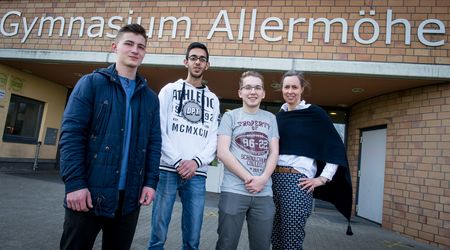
[334, 83]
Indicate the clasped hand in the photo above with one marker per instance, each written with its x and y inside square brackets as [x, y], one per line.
[255, 184]
[186, 169]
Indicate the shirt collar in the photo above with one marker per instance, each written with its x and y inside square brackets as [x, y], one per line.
[301, 105]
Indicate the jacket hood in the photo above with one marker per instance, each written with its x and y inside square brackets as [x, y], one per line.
[188, 85]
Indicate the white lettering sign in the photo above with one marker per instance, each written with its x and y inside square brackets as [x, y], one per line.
[430, 32]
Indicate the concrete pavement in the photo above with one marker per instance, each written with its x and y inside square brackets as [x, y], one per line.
[31, 217]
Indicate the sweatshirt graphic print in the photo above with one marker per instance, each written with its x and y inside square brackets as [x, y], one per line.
[189, 120]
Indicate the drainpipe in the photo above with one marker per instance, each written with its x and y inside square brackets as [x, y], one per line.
[36, 155]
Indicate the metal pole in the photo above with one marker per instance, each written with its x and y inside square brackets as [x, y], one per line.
[36, 155]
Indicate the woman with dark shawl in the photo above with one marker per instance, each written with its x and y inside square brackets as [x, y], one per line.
[312, 164]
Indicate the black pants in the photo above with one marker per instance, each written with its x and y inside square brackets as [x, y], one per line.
[81, 229]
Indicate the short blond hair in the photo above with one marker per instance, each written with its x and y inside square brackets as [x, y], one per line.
[250, 73]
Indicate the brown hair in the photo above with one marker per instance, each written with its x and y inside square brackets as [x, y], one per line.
[132, 28]
[303, 82]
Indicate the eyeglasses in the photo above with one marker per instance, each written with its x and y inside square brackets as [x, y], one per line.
[195, 58]
[250, 87]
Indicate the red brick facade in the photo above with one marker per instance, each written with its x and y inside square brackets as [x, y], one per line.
[204, 13]
[417, 179]
[417, 175]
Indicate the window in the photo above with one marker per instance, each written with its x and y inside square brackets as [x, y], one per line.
[23, 121]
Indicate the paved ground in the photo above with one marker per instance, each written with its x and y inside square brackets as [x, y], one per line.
[31, 217]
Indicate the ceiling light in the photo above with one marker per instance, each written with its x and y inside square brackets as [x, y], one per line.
[357, 90]
[276, 86]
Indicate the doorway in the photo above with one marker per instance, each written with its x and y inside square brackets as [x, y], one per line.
[371, 174]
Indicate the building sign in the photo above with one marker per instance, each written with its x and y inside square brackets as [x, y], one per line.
[16, 84]
[429, 32]
[50, 136]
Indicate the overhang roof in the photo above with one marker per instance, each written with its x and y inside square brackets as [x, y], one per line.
[332, 86]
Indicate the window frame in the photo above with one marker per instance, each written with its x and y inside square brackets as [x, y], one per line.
[20, 138]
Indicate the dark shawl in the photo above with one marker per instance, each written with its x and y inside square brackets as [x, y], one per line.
[310, 132]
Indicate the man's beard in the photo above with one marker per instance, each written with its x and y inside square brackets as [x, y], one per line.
[195, 75]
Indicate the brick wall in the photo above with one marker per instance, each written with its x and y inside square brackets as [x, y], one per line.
[417, 174]
[416, 200]
[203, 14]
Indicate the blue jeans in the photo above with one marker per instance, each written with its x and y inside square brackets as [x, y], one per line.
[192, 196]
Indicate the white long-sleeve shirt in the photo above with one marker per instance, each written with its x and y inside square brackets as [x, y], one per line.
[305, 165]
